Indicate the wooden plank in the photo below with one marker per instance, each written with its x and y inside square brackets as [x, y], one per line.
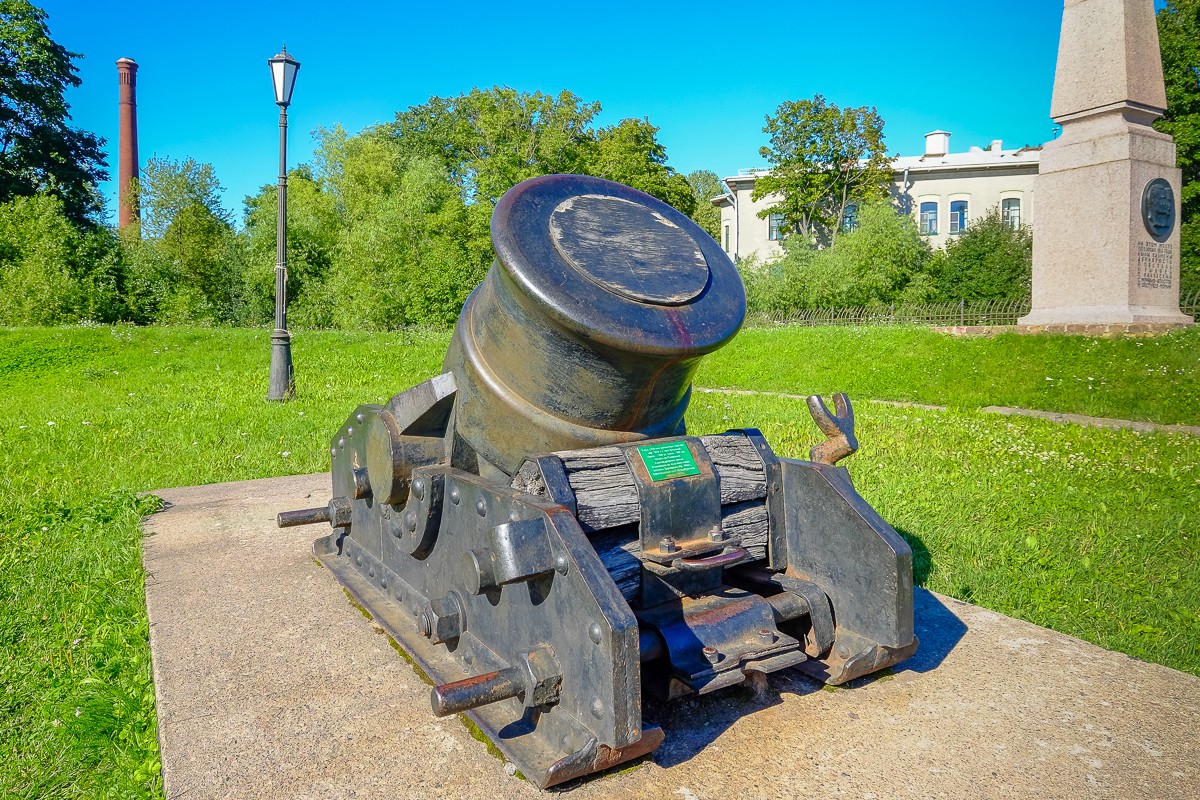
[606, 500]
[738, 466]
[620, 552]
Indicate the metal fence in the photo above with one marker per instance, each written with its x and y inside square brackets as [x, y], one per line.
[1190, 305]
[938, 314]
[990, 312]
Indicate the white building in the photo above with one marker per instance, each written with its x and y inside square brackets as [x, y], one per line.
[940, 189]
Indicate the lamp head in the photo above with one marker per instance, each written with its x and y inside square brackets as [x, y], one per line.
[283, 75]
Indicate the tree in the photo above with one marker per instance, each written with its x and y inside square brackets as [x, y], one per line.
[51, 271]
[492, 139]
[630, 153]
[990, 261]
[390, 227]
[705, 186]
[1179, 39]
[168, 187]
[404, 261]
[314, 227]
[823, 159]
[189, 267]
[39, 150]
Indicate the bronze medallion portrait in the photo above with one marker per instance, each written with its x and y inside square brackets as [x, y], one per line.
[1158, 209]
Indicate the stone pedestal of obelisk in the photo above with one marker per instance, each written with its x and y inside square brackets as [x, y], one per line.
[1106, 242]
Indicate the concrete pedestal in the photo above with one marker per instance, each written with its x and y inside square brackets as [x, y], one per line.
[270, 684]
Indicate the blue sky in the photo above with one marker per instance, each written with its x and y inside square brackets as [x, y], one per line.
[705, 73]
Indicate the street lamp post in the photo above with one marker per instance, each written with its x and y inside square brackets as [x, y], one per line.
[283, 385]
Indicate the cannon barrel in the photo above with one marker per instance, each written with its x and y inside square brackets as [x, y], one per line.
[590, 323]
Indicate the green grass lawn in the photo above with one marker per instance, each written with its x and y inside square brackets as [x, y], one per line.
[1091, 532]
[1154, 378]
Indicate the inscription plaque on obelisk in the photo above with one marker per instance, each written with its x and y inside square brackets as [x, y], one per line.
[1106, 242]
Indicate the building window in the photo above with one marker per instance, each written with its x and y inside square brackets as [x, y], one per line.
[775, 227]
[850, 218]
[958, 216]
[726, 238]
[929, 222]
[1010, 212]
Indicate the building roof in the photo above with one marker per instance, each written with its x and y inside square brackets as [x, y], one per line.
[993, 157]
[975, 157]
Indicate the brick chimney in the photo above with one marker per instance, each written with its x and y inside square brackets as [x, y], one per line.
[127, 160]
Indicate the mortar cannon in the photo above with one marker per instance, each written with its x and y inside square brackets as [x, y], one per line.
[535, 528]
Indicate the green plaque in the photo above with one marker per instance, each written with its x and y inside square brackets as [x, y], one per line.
[668, 460]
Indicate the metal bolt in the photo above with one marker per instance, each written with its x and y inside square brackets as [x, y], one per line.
[349, 431]
[333, 451]
[342, 442]
[371, 572]
[410, 520]
[667, 544]
[425, 624]
[481, 506]
[711, 654]
[841, 650]
[560, 564]
[595, 632]
[383, 583]
[766, 636]
[418, 488]
[359, 416]
[454, 495]
[717, 535]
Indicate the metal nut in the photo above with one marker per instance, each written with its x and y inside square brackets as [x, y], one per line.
[667, 544]
[711, 654]
[444, 619]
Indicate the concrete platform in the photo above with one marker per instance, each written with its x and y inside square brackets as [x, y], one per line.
[270, 684]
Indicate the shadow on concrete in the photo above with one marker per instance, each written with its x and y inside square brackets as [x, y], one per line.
[938, 630]
[692, 723]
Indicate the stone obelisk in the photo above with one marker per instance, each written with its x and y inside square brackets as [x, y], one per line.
[1106, 242]
[127, 157]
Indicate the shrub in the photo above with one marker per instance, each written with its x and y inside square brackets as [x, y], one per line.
[883, 260]
[991, 261]
[51, 271]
